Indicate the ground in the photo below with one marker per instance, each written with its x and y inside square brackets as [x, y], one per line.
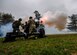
[51, 45]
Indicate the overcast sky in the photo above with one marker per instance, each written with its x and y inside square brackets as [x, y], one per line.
[23, 8]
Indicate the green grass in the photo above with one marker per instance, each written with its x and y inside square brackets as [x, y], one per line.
[51, 45]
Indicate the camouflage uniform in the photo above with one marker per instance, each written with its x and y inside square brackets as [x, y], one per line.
[16, 25]
[32, 26]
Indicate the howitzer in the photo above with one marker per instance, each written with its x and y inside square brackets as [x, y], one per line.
[10, 36]
[38, 32]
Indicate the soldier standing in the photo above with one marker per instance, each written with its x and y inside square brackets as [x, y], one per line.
[31, 24]
[16, 25]
[26, 28]
[41, 25]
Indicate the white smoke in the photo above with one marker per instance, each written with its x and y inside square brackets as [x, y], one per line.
[6, 28]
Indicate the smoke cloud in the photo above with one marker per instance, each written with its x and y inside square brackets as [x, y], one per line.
[6, 28]
[57, 19]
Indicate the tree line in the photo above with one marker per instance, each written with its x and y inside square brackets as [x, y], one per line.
[6, 18]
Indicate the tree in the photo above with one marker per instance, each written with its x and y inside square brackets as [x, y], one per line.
[73, 24]
[6, 18]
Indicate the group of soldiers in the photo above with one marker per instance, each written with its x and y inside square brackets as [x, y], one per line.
[29, 27]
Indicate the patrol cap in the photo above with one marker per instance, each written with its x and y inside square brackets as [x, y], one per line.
[30, 17]
[20, 19]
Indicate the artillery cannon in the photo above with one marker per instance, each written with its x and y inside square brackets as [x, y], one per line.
[10, 36]
[38, 32]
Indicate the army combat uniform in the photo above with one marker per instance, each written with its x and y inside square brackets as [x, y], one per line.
[32, 26]
[16, 25]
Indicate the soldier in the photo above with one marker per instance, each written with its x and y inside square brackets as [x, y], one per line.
[41, 25]
[26, 28]
[31, 24]
[16, 25]
[41, 29]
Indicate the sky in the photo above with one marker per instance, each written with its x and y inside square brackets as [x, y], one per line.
[25, 8]
[22, 8]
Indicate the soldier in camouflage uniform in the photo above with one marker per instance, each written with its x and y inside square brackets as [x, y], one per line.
[31, 24]
[16, 25]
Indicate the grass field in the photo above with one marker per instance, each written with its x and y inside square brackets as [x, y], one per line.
[51, 45]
